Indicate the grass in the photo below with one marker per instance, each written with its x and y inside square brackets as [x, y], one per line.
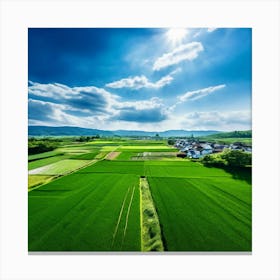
[45, 161]
[44, 155]
[101, 155]
[86, 156]
[82, 213]
[103, 143]
[188, 207]
[121, 167]
[151, 233]
[151, 148]
[125, 156]
[126, 142]
[36, 180]
[60, 167]
[182, 169]
[109, 148]
[205, 214]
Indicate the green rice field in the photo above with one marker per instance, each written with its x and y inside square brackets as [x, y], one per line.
[85, 213]
[80, 201]
[205, 215]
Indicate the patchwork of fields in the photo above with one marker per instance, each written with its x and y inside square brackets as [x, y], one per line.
[90, 202]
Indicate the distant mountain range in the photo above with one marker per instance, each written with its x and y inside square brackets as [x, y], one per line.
[79, 131]
[234, 134]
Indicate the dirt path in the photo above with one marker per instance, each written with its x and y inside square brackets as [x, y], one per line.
[112, 155]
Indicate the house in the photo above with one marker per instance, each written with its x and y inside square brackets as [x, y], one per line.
[193, 154]
[247, 149]
[218, 148]
[197, 149]
[185, 149]
[207, 149]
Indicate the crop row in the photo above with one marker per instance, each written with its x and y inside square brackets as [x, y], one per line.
[98, 208]
[203, 214]
[155, 169]
[81, 213]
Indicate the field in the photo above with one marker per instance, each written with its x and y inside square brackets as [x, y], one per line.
[36, 180]
[132, 195]
[205, 215]
[85, 213]
[60, 167]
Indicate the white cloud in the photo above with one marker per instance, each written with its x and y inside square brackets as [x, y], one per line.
[138, 82]
[197, 94]
[203, 31]
[176, 71]
[228, 121]
[42, 113]
[83, 99]
[97, 108]
[88, 107]
[154, 102]
[211, 29]
[55, 90]
[143, 111]
[188, 51]
[59, 91]
[196, 34]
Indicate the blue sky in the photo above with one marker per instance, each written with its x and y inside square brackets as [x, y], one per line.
[140, 78]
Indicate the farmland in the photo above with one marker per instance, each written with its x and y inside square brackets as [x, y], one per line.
[133, 195]
[82, 213]
[205, 214]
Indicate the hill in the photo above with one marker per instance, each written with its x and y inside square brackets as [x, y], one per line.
[234, 134]
[65, 131]
[79, 131]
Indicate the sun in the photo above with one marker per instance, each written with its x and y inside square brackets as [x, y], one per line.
[176, 35]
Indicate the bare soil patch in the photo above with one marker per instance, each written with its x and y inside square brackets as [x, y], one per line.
[112, 155]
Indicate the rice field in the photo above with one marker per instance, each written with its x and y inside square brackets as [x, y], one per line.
[60, 167]
[45, 161]
[120, 167]
[182, 170]
[44, 155]
[206, 214]
[90, 212]
[87, 197]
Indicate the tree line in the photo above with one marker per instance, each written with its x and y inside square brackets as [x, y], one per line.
[36, 146]
[228, 158]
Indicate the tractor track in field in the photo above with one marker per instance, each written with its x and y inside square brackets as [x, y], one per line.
[119, 218]
[127, 215]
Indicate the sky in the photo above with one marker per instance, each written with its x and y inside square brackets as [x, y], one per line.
[151, 79]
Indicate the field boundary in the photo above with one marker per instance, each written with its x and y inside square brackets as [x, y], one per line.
[151, 237]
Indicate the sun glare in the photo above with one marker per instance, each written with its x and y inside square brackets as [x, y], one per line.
[176, 35]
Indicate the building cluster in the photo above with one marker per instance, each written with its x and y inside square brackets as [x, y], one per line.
[196, 149]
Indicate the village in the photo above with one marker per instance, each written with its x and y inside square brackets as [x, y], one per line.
[196, 149]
